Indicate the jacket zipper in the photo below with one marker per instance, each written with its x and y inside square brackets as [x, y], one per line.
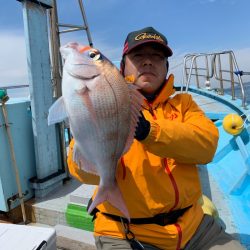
[151, 111]
[171, 177]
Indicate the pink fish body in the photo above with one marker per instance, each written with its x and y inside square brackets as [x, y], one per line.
[103, 112]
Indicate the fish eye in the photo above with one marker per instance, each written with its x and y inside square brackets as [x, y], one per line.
[95, 55]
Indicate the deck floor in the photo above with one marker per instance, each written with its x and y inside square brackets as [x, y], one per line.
[207, 104]
[51, 209]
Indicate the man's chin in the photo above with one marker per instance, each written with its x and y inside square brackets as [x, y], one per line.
[143, 85]
[145, 89]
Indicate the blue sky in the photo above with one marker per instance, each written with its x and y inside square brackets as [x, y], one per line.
[189, 25]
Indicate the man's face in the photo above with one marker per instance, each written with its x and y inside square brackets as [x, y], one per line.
[148, 65]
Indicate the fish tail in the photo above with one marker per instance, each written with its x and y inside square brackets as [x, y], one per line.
[114, 196]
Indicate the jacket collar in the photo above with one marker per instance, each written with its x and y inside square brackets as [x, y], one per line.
[166, 91]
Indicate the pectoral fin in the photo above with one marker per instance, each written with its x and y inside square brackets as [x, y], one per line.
[84, 164]
[57, 112]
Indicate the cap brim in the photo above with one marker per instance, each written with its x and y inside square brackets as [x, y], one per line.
[168, 52]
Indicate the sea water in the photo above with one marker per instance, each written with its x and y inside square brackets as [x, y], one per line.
[18, 92]
[24, 92]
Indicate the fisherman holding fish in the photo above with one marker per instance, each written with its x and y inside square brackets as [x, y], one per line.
[148, 199]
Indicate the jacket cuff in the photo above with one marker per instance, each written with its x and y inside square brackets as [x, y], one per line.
[152, 135]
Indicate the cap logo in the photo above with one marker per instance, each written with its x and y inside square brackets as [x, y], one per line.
[143, 36]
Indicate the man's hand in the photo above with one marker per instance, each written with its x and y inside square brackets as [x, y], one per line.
[142, 128]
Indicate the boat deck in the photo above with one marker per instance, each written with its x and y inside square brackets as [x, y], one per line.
[51, 210]
[214, 105]
[211, 106]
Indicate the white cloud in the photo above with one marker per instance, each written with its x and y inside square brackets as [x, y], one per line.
[13, 64]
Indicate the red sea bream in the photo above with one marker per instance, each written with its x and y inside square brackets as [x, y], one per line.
[103, 111]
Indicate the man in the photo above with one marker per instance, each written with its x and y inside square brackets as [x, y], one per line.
[158, 176]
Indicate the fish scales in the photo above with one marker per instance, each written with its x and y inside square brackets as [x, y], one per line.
[111, 107]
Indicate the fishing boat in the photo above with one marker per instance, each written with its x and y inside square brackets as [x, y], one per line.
[223, 99]
[36, 189]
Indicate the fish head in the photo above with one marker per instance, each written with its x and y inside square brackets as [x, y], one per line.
[84, 64]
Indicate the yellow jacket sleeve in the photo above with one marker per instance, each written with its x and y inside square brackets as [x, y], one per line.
[78, 173]
[191, 138]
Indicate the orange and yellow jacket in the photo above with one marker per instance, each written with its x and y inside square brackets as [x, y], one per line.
[159, 174]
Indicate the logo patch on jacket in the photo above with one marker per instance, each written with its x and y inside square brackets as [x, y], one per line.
[172, 116]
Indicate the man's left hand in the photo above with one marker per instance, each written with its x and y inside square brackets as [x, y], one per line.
[142, 128]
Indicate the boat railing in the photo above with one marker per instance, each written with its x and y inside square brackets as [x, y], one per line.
[9, 90]
[6, 87]
[221, 66]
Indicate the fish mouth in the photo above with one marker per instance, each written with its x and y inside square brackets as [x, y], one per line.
[83, 77]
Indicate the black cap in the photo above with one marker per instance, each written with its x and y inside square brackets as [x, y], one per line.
[146, 35]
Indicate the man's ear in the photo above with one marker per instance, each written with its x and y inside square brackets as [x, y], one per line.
[167, 64]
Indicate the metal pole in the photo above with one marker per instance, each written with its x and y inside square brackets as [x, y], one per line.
[220, 76]
[196, 74]
[85, 22]
[57, 73]
[190, 72]
[55, 54]
[232, 75]
[49, 170]
[244, 103]
[184, 71]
